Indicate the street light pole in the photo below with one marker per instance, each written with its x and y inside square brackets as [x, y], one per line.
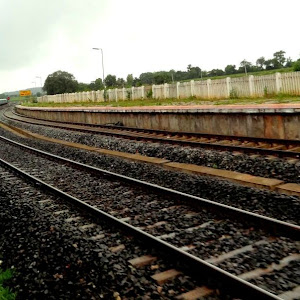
[102, 64]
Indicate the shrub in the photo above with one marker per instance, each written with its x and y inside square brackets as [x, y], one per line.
[128, 95]
[233, 94]
[296, 65]
[265, 92]
[149, 94]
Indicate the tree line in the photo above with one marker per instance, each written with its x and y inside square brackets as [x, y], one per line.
[63, 82]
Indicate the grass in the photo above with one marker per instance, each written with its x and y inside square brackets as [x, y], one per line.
[5, 293]
[19, 98]
[190, 101]
[259, 73]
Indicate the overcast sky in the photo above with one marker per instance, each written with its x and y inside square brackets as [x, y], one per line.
[39, 37]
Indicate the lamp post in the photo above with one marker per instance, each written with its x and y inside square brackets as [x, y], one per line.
[40, 79]
[102, 64]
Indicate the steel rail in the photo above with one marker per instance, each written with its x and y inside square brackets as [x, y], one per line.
[169, 140]
[179, 133]
[194, 265]
[276, 226]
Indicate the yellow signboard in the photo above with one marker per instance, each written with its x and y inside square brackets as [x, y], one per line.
[25, 93]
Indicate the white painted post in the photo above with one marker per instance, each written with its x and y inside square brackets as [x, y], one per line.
[165, 90]
[192, 88]
[124, 93]
[228, 84]
[208, 83]
[116, 93]
[132, 93]
[143, 92]
[109, 95]
[278, 82]
[251, 85]
[177, 90]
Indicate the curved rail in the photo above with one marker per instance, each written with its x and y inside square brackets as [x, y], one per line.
[194, 265]
[262, 146]
[276, 226]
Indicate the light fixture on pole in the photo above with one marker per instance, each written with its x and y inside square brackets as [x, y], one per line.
[102, 64]
[40, 79]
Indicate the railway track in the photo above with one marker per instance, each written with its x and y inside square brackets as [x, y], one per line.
[251, 145]
[202, 233]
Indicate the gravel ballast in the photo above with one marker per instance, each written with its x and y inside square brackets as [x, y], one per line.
[254, 165]
[53, 259]
[123, 201]
[279, 206]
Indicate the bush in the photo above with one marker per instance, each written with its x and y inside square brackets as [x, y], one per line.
[296, 65]
[149, 94]
[128, 95]
[233, 94]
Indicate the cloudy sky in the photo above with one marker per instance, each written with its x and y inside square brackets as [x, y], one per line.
[39, 37]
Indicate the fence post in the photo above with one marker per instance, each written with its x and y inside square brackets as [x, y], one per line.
[177, 90]
[251, 85]
[278, 82]
[208, 83]
[143, 92]
[116, 93]
[228, 84]
[165, 90]
[192, 88]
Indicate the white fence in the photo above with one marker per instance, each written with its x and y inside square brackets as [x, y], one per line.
[247, 86]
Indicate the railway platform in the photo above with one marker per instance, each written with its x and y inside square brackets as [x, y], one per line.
[278, 121]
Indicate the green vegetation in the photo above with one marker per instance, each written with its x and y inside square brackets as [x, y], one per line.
[5, 293]
[63, 82]
[296, 66]
[258, 73]
[269, 99]
[60, 82]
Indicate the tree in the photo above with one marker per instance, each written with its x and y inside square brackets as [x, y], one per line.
[269, 64]
[147, 78]
[129, 79]
[162, 77]
[245, 65]
[110, 81]
[120, 82]
[60, 82]
[181, 75]
[216, 72]
[136, 82]
[83, 87]
[296, 65]
[279, 59]
[289, 63]
[260, 62]
[99, 84]
[193, 72]
[230, 69]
